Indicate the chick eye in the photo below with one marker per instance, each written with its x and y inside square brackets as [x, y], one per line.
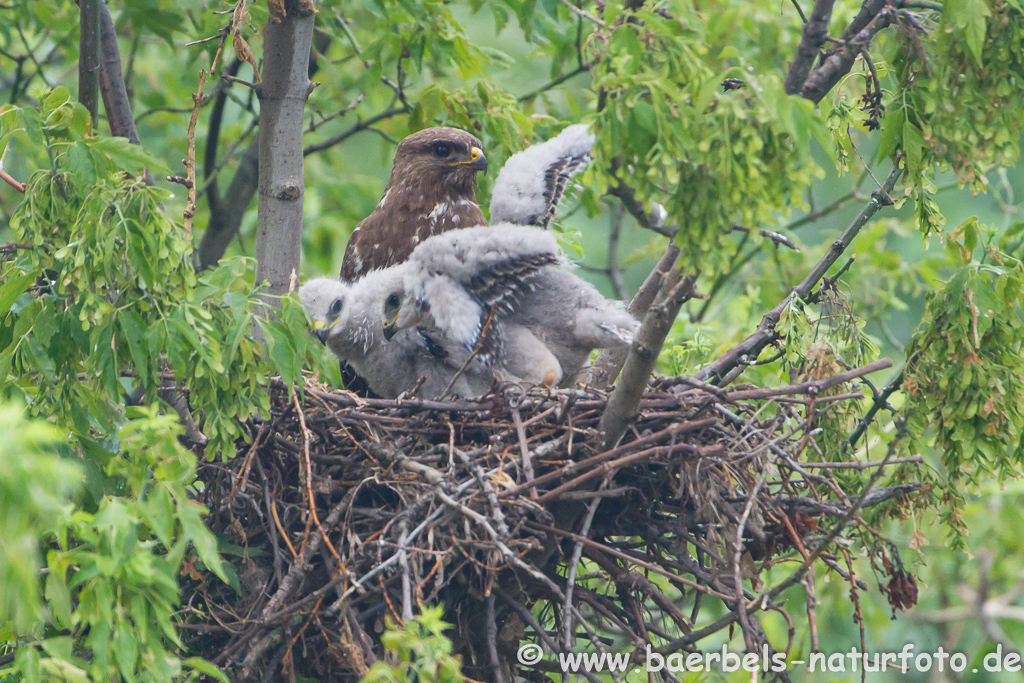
[392, 301]
[442, 150]
[335, 307]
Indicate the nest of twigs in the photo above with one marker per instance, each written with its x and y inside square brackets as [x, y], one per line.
[345, 512]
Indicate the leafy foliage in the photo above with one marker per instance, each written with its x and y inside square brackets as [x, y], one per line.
[105, 317]
[35, 486]
[964, 377]
[712, 158]
[958, 103]
[418, 651]
[117, 310]
[120, 295]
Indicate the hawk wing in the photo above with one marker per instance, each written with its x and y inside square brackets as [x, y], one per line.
[532, 182]
[470, 279]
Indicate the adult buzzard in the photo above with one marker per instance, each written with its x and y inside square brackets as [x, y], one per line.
[432, 189]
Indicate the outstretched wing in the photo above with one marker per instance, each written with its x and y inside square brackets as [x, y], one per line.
[498, 285]
[470, 279]
[532, 182]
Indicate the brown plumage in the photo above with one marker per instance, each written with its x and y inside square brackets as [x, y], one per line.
[431, 190]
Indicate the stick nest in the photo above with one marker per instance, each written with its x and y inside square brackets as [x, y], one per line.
[341, 513]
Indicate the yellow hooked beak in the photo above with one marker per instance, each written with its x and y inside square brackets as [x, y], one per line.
[391, 326]
[477, 160]
[320, 330]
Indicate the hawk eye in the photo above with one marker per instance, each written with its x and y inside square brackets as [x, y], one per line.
[392, 301]
[442, 150]
[335, 307]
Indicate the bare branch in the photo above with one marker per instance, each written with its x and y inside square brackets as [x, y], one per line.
[225, 221]
[814, 36]
[89, 57]
[359, 127]
[643, 355]
[609, 362]
[116, 103]
[839, 63]
[653, 220]
[750, 347]
[16, 184]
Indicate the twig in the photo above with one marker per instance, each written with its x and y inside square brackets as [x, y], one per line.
[190, 161]
[19, 186]
[814, 35]
[240, 81]
[570, 581]
[737, 552]
[585, 15]
[524, 451]
[881, 401]
[357, 128]
[584, 68]
[773, 236]
[749, 348]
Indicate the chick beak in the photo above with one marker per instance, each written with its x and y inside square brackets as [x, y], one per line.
[320, 330]
[391, 327]
[477, 160]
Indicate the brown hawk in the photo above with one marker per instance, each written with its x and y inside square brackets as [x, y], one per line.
[432, 189]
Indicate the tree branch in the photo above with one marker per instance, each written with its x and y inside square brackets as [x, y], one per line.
[213, 138]
[750, 347]
[116, 103]
[643, 355]
[357, 128]
[89, 57]
[815, 34]
[654, 220]
[282, 96]
[839, 63]
[868, 11]
[609, 362]
[225, 221]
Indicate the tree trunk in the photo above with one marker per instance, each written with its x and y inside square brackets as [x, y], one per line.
[282, 96]
[89, 57]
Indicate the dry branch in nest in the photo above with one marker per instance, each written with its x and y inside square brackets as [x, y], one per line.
[510, 512]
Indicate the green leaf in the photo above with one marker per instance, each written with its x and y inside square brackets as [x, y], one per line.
[57, 98]
[913, 145]
[205, 667]
[59, 598]
[135, 332]
[125, 155]
[892, 132]
[970, 16]
[12, 289]
[81, 164]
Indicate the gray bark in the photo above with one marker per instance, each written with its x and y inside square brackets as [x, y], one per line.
[116, 103]
[282, 95]
[814, 36]
[609, 362]
[89, 57]
[622, 405]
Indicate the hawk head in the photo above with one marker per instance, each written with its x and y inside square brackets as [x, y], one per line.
[446, 156]
[402, 312]
[324, 300]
